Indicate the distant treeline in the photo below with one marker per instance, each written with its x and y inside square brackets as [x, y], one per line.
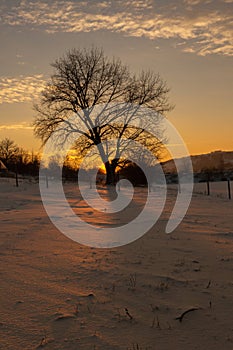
[15, 159]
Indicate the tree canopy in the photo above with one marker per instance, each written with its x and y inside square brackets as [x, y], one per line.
[8, 151]
[86, 78]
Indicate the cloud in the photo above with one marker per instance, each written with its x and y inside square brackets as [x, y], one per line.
[196, 2]
[23, 125]
[21, 89]
[206, 25]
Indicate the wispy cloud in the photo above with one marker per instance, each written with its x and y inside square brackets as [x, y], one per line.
[196, 2]
[21, 89]
[205, 25]
[23, 125]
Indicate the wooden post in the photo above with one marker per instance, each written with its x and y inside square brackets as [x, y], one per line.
[179, 189]
[90, 181]
[47, 181]
[229, 188]
[16, 178]
[208, 188]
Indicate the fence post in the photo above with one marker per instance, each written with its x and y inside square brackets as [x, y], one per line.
[229, 188]
[16, 179]
[47, 181]
[208, 188]
[16, 176]
[179, 189]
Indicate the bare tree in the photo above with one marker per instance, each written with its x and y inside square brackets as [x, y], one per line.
[8, 151]
[84, 79]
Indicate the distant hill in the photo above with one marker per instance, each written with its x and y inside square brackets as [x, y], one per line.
[218, 161]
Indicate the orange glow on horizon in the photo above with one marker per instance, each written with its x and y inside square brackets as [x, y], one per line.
[102, 169]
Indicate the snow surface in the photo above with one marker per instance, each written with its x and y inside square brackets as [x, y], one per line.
[58, 294]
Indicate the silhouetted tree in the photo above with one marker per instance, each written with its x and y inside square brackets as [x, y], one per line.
[8, 152]
[83, 79]
[134, 174]
[18, 159]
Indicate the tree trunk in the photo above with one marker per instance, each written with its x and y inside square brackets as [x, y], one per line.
[110, 173]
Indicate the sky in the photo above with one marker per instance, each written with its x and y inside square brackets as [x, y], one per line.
[189, 42]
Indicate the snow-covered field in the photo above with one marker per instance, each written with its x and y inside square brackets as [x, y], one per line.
[58, 294]
[217, 189]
